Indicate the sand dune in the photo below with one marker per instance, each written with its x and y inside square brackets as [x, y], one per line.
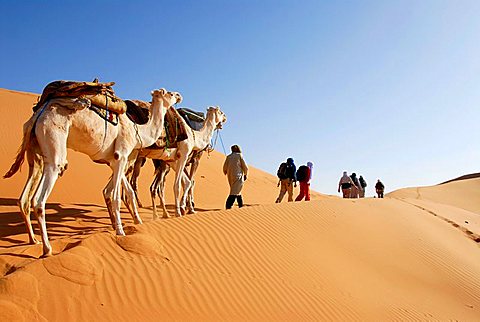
[398, 258]
[457, 202]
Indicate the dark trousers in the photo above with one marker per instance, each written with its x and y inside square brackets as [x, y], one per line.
[231, 200]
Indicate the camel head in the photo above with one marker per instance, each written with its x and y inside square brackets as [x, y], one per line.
[218, 116]
[168, 98]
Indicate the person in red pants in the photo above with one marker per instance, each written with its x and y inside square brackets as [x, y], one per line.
[304, 175]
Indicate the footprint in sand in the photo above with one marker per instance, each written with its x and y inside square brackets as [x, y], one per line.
[77, 266]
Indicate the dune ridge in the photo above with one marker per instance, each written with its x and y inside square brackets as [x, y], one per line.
[410, 256]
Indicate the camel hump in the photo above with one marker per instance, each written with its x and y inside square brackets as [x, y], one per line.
[100, 94]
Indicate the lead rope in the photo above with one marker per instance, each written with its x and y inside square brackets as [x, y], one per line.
[221, 141]
[106, 116]
[212, 146]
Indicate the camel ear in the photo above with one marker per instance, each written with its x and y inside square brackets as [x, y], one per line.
[152, 92]
[179, 98]
[162, 91]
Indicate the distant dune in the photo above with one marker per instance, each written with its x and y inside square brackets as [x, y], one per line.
[464, 177]
[411, 256]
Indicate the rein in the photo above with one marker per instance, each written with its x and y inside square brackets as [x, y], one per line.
[212, 146]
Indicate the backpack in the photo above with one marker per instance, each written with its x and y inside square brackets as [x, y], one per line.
[282, 171]
[362, 182]
[302, 173]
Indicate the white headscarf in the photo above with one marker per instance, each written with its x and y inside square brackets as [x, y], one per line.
[345, 178]
[310, 166]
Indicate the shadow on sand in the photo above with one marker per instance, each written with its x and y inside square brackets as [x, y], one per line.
[74, 220]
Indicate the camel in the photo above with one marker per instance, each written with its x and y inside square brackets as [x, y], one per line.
[162, 168]
[69, 123]
[187, 152]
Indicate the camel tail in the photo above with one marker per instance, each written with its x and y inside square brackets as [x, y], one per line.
[27, 136]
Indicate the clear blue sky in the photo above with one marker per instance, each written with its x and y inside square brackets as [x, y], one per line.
[386, 89]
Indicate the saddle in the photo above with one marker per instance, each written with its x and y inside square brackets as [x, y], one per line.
[174, 130]
[101, 95]
[138, 111]
[194, 119]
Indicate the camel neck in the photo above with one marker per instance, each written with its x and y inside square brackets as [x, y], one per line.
[206, 132]
[151, 131]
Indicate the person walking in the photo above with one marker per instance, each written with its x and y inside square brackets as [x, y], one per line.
[356, 186]
[346, 185]
[379, 188]
[236, 170]
[287, 179]
[363, 186]
[304, 175]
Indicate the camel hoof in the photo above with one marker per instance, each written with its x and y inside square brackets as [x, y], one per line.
[34, 242]
[47, 254]
[138, 222]
[120, 232]
[191, 211]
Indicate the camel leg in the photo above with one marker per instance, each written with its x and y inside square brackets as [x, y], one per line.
[179, 166]
[53, 146]
[193, 171]
[107, 196]
[186, 184]
[130, 199]
[161, 188]
[35, 169]
[116, 193]
[190, 200]
[158, 186]
[179, 175]
[153, 192]
[50, 175]
[139, 162]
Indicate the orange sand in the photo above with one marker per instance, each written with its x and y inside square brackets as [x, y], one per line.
[410, 256]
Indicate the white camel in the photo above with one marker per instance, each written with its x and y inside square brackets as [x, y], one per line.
[69, 123]
[188, 151]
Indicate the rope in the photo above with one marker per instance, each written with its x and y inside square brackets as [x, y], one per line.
[223, 146]
[38, 116]
[139, 138]
[106, 116]
[212, 146]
